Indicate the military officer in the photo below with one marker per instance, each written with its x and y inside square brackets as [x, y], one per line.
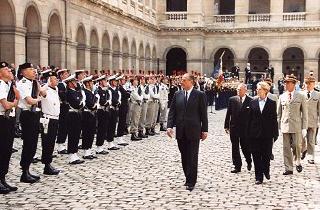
[136, 99]
[164, 93]
[144, 107]
[50, 106]
[292, 116]
[102, 113]
[8, 101]
[313, 106]
[76, 102]
[30, 92]
[64, 109]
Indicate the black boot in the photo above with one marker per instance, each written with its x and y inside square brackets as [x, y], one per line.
[134, 137]
[50, 170]
[149, 132]
[4, 189]
[4, 183]
[162, 127]
[26, 177]
[142, 135]
[36, 177]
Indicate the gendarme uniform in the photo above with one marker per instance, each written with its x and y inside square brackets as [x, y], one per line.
[7, 123]
[144, 108]
[136, 99]
[50, 106]
[164, 93]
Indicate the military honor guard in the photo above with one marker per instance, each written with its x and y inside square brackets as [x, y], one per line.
[64, 110]
[9, 97]
[153, 107]
[89, 118]
[103, 115]
[122, 128]
[76, 102]
[293, 121]
[163, 93]
[313, 106]
[136, 99]
[144, 107]
[50, 107]
[30, 92]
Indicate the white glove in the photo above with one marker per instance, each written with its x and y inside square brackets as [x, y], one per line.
[304, 133]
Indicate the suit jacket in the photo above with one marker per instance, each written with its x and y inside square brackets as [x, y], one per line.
[190, 119]
[313, 106]
[262, 125]
[237, 116]
[292, 115]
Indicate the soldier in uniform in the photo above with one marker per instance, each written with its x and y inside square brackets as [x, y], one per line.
[123, 108]
[247, 71]
[64, 109]
[152, 112]
[292, 116]
[136, 99]
[50, 106]
[144, 107]
[8, 101]
[89, 118]
[102, 113]
[164, 93]
[30, 92]
[76, 102]
[80, 75]
[313, 106]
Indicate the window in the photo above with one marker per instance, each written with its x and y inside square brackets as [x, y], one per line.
[176, 5]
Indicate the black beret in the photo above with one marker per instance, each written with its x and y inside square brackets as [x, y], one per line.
[3, 64]
[25, 66]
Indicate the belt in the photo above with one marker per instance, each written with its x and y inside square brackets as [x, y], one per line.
[49, 116]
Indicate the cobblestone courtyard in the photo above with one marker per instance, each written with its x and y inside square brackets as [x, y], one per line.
[148, 175]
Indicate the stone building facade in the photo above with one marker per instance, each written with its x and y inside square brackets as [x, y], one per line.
[162, 35]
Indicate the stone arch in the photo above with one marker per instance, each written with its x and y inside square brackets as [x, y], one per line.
[148, 58]
[55, 43]
[176, 61]
[154, 59]
[141, 57]
[171, 47]
[7, 23]
[227, 58]
[116, 53]
[293, 62]
[106, 51]
[81, 39]
[133, 53]
[259, 59]
[125, 54]
[94, 50]
[32, 22]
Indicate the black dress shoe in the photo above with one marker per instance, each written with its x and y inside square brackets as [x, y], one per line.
[249, 166]
[267, 176]
[3, 189]
[287, 173]
[26, 178]
[134, 137]
[103, 152]
[11, 188]
[189, 187]
[50, 170]
[272, 157]
[311, 161]
[142, 135]
[234, 171]
[303, 155]
[299, 168]
[75, 162]
[258, 182]
[88, 157]
[63, 152]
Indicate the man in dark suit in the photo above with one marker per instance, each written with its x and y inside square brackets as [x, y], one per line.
[188, 112]
[236, 122]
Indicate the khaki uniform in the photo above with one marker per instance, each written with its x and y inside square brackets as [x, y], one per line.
[136, 103]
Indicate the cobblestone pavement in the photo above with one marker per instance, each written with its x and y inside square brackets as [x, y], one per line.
[148, 175]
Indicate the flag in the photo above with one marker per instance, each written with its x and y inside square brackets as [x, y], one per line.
[217, 70]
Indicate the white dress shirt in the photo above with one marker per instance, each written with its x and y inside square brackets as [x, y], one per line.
[262, 103]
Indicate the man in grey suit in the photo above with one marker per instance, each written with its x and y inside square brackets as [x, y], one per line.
[293, 117]
[188, 112]
[313, 104]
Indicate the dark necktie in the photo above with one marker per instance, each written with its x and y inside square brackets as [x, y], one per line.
[289, 96]
[139, 91]
[147, 90]
[308, 94]
[241, 101]
[186, 98]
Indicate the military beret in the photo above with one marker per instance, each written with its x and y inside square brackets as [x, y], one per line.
[25, 66]
[3, 64]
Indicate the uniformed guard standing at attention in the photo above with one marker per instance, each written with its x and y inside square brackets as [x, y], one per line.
[144, 107]
[50, 106]
[164, 98]
[113, 111]
[8, 100]
[80, 75]
[123, 108]
[136, 98]
[30, 90]
[64, 109]
[89, 118]
[102, 113]
[76, 101]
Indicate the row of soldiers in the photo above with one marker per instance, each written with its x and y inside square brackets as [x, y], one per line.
[72, 107]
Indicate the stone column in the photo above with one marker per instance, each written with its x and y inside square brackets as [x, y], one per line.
[312, 10]
[276, 10]
[44, 41]
[99, 65]
[277, 65]
[311, 64]
[87, 58]
[106, 57]
[71, 62]
[241, 11]
[20, 45]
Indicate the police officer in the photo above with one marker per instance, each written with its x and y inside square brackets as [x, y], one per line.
[29, 90]
[136, 98]
[64, 109]
[144, 107]
[8, 100]
[102, 113]
[163, 93]
[50, 106]
[89, 118]
[76, 102]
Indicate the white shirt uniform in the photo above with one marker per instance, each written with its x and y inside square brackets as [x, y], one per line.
[24, 86]
[4, 90]
[50, 104]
